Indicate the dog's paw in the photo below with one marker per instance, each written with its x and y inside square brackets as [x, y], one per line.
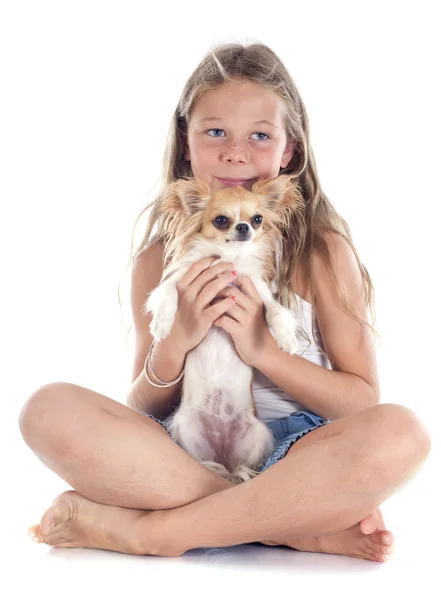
[162, 303]
[241, 474]
[160, 327]
[283, 326]
[216, 468]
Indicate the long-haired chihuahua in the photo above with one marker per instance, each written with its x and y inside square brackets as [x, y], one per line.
[216, 421]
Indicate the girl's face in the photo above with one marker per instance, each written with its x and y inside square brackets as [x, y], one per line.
[227, 138]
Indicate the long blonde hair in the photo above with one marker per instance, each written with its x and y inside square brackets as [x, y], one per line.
[258, 63]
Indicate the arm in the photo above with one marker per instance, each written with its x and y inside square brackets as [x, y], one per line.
[352, 385]
[167, 358]
[167, 362]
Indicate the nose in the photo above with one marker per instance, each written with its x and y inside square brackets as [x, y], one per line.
[242, 228]
[234, 154]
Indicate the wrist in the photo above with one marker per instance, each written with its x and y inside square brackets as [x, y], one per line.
[166, 362]
[174, 347]
[267, 348]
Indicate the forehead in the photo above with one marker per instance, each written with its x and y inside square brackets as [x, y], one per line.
[244, 101]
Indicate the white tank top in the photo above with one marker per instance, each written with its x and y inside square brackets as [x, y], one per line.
[271, 401]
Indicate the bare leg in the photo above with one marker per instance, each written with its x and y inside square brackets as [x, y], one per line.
[110, 453]
[321, 489]
[55, 423]
[61, 422]
[61, 447]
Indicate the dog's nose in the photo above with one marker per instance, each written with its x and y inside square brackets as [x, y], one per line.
[242, 228]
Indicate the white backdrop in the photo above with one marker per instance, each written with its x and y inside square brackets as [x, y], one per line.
[88, 91]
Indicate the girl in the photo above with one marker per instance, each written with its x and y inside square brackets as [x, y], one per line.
[340, 452]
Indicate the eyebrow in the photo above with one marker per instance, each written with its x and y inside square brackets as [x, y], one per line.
[270, 123]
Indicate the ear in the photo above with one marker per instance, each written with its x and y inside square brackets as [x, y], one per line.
[282, 198]
[187, 151]
[279, 193]
[186, 196]
[287, 154]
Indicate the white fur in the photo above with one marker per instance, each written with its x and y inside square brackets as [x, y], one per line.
[217, 383]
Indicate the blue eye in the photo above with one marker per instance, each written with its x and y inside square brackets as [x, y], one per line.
[214, 130]
[257, 132]
[260, 133]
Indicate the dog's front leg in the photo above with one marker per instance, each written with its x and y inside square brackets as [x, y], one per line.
[163, 304]
[281, 322]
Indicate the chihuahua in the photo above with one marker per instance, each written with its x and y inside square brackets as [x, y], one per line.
[216, 421]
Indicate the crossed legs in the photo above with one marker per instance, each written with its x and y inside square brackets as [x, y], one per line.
[331, 479]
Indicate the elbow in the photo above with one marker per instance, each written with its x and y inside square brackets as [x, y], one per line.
[375, 394]
[371, 396]
[368, 397]
[129, 401]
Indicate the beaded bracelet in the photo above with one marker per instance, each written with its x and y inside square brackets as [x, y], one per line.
[148, 364]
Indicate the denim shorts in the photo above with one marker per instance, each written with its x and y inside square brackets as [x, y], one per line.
[286, 432]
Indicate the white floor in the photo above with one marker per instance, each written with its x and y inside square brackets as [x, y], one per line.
[37, 570]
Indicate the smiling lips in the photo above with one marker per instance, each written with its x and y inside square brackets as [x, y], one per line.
[233, 182]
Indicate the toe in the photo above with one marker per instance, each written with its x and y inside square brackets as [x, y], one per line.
[383, 536]
[384, 551]
[387, 552]
[34, 530]
[51, 518]
[35, 533]
[381, 553]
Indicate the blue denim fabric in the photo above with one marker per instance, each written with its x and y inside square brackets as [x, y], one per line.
[286, 432]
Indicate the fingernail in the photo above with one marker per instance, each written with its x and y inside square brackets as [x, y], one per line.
[234, 272]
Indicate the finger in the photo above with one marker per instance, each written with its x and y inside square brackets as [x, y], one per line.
[236, 313]
[228, 324]
[208, 276]
[216, 310]
[196, 269]
[241, 300]
[248, 288]
[212, 288]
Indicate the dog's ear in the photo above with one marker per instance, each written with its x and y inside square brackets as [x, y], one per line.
[279, 193]
[186, 196]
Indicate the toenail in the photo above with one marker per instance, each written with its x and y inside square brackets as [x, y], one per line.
[386, 539]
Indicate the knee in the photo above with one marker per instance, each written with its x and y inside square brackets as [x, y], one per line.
[405, 436]
[34, 416]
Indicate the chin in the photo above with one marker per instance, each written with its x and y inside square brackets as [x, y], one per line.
[216, 421]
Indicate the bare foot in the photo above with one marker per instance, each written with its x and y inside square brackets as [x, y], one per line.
[377, 546]
[77, 522]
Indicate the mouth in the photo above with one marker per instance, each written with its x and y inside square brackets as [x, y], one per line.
[235, 182]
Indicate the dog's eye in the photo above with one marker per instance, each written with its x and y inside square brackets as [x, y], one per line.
[257, 219]
[221, 221]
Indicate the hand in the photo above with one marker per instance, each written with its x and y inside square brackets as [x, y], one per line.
[196, 290]
[245, 321]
